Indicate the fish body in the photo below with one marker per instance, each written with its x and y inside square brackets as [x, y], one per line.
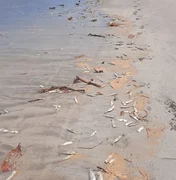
[117, 139]
[110, 109]
[91, 175]
[99, 176]
[67, 143]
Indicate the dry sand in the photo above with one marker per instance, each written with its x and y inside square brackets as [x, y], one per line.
[54, 53]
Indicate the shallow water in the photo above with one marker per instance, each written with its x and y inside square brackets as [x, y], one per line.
[29, 29]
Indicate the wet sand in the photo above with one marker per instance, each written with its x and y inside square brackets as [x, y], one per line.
[138, 64]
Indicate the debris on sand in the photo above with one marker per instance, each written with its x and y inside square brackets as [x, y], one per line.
[71, 131]
[79, 56]
[11, 161]
[113, 24]
[131, 36]
[61, 89]
[35, 100]
[70, 18]
[52, 8]
[99, 70]
[87, 82]
[93, 20]
[96, 35]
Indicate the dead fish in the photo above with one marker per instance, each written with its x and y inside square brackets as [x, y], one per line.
[123, 103]
[123, 120]
[91, 95]
[140, 129]
[91, 175]
[99, 176]
[113, 94]
[108, 158]
[66, 143]
[69, 153]
[8, 131]
[124, 107]
[11, 176]
[115, 74]
[133, 124]
[134, 117]
[112, 103]
[93, 133]
[110, 109]
[128, 102]
[75, 99]
[111, 161]
[113, 123]
[117, 139]
[67, 157]
[5, 111]
[128, 123]
[41, 86]
[71, 131]
[108, 116]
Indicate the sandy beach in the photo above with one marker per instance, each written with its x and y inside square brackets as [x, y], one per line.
[87, 86]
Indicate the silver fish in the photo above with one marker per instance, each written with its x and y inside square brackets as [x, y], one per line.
[93, 133]
[67, 143]
[75, 99]
[67, 157]
[11, 176]
[91, 175]
[110, 109]
[117, 139]
[128, 123]
[112, 103]
[8, 131]
[124, 107]
[113, 94]
[108, 158]
[69, 153]
[128, 102]
[123, 120]
[99, 176]
[140, 129]
[111, 161]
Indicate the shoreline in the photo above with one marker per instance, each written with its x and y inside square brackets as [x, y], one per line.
[125, 119]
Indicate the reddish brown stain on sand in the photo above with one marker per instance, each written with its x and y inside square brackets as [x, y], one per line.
[154, 134]
[119, 82]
